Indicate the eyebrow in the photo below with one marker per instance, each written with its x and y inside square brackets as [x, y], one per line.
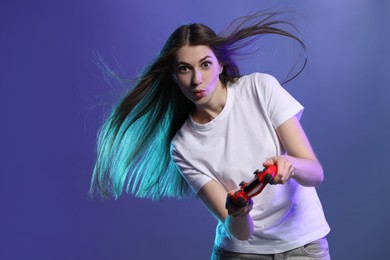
[200, 61]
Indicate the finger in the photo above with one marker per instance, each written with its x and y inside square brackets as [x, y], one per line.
[249, 207]
[279, 174]
[241, 202]
[290, 170]
[283, 172]
[286, 171]
[242, 211]
[230, 204]
[234, 209]
[268, 163]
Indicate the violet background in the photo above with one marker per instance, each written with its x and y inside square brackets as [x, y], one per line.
[53, 99]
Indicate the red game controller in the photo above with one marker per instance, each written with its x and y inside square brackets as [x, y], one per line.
[255, 186]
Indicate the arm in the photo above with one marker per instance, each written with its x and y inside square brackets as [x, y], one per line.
[300, 162]
[238, 223]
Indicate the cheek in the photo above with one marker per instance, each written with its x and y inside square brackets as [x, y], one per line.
[183, 81]
[214, 75]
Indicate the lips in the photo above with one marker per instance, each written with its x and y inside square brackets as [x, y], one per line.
[200, 93]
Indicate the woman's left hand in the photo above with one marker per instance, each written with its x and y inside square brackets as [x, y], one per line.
[285, 169]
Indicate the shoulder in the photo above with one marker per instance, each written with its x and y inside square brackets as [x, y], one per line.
[183, 139]
[256, 83]
[257, 77]
[179, 137]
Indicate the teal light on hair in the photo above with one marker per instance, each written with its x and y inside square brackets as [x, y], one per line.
[133, 153]
[133, 156]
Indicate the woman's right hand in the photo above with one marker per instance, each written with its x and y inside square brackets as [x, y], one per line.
[236, 219]
[237, 210]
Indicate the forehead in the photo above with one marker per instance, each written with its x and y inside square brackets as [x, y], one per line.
[193, 54]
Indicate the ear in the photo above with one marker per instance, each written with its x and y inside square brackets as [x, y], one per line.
[220, 68]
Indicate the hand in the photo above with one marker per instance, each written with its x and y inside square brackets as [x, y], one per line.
[236, 210]
[285, 169]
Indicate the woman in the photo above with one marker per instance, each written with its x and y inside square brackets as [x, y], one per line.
[192, 105]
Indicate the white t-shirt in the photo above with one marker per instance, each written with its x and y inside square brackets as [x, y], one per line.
[231, 147]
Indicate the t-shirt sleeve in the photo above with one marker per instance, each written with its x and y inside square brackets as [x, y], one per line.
[280, 105]
[194, 178]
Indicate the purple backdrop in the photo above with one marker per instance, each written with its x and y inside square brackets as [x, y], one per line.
[53, 99]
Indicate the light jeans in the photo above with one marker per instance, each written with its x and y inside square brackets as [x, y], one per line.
[316, 250]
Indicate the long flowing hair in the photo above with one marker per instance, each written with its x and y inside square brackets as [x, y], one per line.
[133, 146]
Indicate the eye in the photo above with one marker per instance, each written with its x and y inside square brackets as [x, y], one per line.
[183, 69]
[206, 64]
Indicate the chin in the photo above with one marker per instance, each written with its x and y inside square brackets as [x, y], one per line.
[201, 101]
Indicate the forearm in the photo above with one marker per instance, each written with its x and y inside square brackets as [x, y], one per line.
[306, 169]
[240, 227]
[307, 172]
[236, 220]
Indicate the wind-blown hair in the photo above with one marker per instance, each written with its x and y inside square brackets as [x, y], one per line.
[133, 147]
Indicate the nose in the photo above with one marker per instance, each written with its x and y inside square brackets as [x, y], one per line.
[197, 77]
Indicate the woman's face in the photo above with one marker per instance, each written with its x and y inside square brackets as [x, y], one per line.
[197, 73]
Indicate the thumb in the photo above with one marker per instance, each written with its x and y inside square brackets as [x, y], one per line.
[269, 162]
